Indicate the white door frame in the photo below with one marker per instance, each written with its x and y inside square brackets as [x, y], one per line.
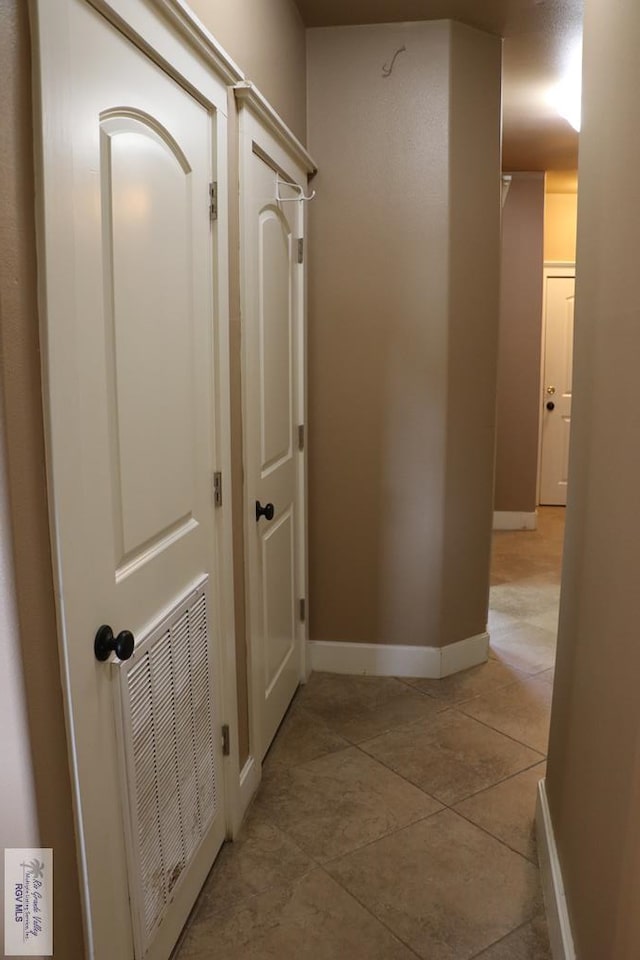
[551, 268]
[174, 39]
[261, 127]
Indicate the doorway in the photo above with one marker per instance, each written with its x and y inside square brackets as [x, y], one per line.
[557, 367]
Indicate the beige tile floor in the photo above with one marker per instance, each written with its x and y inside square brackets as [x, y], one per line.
[395, 816]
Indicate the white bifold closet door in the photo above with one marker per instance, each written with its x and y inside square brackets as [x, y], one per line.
[273, 272]
[133, 404]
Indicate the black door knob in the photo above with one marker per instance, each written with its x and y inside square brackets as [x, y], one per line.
[551, 405]
[268, 511]
[105, 643]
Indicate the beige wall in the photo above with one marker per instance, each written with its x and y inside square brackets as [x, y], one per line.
[401, 358]
[520, 342]
[560, 224]
[474, 279]
[39, 770]
[593, 778]
[266, 38]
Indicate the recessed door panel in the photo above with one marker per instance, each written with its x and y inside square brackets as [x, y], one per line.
[278, 565]
[276, 361]
[147, 207]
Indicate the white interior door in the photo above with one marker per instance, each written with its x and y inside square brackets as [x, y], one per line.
[556, 388]
[274, 460]
[131, 402]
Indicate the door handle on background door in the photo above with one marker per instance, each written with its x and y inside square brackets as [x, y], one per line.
[105, 643]
[551, 405]
[268, 511]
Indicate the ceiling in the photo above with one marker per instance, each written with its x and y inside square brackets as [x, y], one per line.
[540, 37]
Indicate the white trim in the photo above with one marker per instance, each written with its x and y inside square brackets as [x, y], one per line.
[390, 660]
[223, 518]
[193, 30]
[515, 520]
[523, 175]
[248, 94]
[250, 777]
[464, 654]
[551, 268]
[555, 901]
[177, 21]
[559, 268]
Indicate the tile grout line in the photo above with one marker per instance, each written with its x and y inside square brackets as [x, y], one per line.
[510, 776]
[322, 865]
[453, 704]
[441, 806]
[521, 926]
[484, 723]
[499, 783]
[372, 914]
[386, 836]
[315, 865]
[451, 807]
[541, 759]
[534, 863]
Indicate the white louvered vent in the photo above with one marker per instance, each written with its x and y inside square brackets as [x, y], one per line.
[168, 743]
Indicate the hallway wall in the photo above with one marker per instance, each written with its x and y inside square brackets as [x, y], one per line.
[560, 216]
[403, 290]
[472, 330]
[519, 345]
[36, 809]
[593, 779]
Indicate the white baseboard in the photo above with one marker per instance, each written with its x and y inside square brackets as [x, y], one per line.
[388, 660]
[515, 520]
[250, 776]
[552, 885]
[464, 654]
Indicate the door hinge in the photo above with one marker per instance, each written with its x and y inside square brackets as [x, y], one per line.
[301, 436]
[217, 489]
[213, 200]
[302, 609]
[301, 250]
[226, 748]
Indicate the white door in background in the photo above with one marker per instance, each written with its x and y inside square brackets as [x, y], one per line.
[132, 445]
[559, 299]
[273, 375]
